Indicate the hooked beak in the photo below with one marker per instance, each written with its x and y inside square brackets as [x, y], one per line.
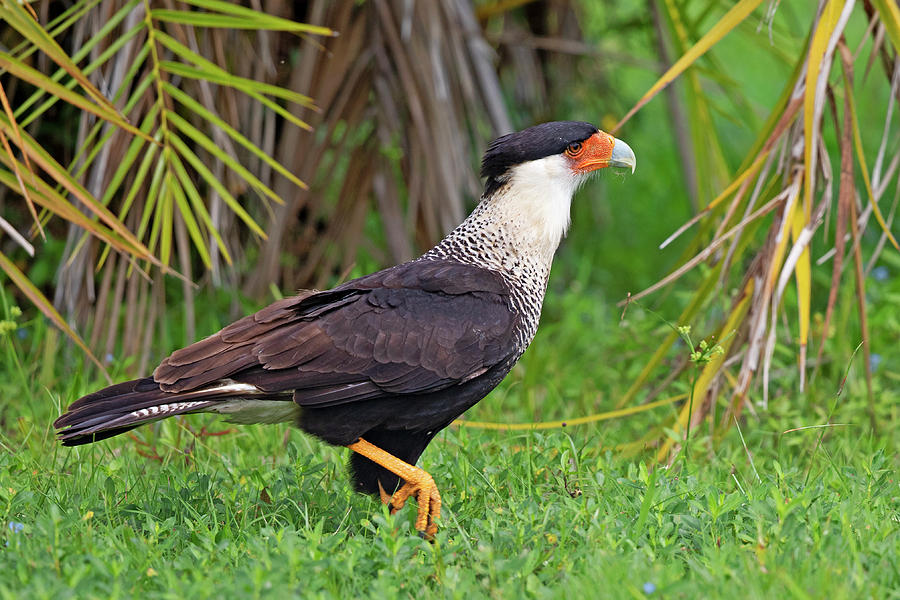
[622, 156]
[603, 150]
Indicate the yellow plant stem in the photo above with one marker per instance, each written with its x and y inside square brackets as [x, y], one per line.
[605, 416]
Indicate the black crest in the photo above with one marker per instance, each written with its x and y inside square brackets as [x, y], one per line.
[533, 143]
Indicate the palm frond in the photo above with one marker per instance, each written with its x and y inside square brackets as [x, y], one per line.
[789, 170]
[146, 178]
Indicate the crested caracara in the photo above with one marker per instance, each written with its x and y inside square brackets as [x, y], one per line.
[382, 363]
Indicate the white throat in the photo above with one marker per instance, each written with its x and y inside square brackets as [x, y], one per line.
[534, 205]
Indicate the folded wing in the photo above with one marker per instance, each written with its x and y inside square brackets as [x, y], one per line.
[416, 328]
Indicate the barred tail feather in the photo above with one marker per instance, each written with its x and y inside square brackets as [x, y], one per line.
[124, 406]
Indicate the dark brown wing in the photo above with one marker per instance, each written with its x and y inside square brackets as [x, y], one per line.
[416, 328]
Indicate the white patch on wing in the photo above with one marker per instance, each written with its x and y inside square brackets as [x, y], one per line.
[229, 386]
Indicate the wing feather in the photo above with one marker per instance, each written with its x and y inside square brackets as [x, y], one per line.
[412, 329]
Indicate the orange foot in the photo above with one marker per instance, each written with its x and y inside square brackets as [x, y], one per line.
[417, 483]
[427, 497]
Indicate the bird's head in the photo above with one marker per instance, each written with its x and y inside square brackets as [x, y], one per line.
[565, 152]
[534, 173]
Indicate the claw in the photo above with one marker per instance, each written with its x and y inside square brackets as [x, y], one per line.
[417, 483]
[427, 497]
[398, 500]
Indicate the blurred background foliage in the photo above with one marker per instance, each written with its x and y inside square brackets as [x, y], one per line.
[222, 154]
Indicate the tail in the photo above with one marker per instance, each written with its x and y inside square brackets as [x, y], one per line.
[124, 406]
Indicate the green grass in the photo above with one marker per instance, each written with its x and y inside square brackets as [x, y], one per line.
[577, 512]
[266, 511]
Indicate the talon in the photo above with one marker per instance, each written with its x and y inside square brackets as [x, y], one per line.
[417, 483]
[429, 500]
[398, 500]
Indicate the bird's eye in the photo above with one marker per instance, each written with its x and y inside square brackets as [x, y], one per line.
[574, 149]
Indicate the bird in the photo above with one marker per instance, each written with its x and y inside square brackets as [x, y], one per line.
[382, 363]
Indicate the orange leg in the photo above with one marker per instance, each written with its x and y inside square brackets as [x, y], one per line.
[417, 483]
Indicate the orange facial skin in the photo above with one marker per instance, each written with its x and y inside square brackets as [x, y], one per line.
[592, 154]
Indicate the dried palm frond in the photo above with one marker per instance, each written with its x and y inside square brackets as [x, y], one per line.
[212, 109]
[408, 92]
[153, 114]
[788, 173]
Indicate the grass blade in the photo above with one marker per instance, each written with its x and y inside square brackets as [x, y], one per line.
[214, 182]
[189, 55]
[890, 16]
[803, 276]
[818, 67]
[47, 197]
[64, 178]
[190, 222]
[220, 74]
[18, 137]
[861, 307]
[153, 196]
[846, 193]
[241, 83]
[604, 416]
[83, 51]
[732, 18]
[250, 19]
[134, 148]
[164, 222]
[207, 144]
[38, 79]
[20, 20]
[260, 19]
[732, 187]
[200, 110]
[864, 171]
[686, 316]
[199, 207]
[708, 250]
[45, 306]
